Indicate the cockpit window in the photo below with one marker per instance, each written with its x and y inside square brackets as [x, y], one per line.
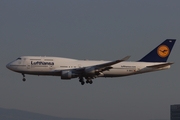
[18, 59]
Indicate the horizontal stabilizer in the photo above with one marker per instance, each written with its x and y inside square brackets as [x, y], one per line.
[160, 65]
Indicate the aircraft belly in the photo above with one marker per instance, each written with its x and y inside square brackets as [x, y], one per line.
[39, 73]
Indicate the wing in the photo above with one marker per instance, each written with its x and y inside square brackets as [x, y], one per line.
[97, 69]
[112, 63]
[92, 70]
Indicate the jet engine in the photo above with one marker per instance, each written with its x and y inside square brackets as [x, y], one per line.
[66, 75]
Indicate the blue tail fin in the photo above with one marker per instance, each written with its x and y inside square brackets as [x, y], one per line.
[160, 53]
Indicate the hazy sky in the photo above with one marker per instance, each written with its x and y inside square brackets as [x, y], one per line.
[95, 30]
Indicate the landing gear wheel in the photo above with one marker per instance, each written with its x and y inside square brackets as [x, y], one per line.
[88, 80]
[91, 82]
[82, 83]
[24, 79]
[81, 80]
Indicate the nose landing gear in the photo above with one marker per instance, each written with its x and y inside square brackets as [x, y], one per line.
[24, 79]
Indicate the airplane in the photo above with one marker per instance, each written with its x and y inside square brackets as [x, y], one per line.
[88, 69]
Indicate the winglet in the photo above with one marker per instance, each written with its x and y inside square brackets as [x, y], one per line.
[126, 58]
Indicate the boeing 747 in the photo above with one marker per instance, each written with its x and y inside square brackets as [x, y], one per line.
[87, 69]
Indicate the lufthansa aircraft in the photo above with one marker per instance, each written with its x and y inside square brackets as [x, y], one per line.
[72, 68]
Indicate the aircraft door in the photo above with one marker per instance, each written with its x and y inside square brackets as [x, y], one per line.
[51, 67]
[138, 68]
[79, 65]
[28, 64]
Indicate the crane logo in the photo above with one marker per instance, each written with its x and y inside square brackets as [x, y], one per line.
[163, 51]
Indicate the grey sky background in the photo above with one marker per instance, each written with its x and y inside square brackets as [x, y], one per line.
[94, 30]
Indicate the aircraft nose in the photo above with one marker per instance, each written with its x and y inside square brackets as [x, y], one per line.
[8, 65]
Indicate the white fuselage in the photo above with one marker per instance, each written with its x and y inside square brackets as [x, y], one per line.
[48, 65]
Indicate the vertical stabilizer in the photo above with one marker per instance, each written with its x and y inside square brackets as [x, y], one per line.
[160, 53]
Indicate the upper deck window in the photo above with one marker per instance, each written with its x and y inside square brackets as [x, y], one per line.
[48, 59]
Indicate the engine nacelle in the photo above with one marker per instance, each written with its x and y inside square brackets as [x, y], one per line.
[66, 74]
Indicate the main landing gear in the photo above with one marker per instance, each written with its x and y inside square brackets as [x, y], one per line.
[24, 79]
[81, 80]
[88, 80]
